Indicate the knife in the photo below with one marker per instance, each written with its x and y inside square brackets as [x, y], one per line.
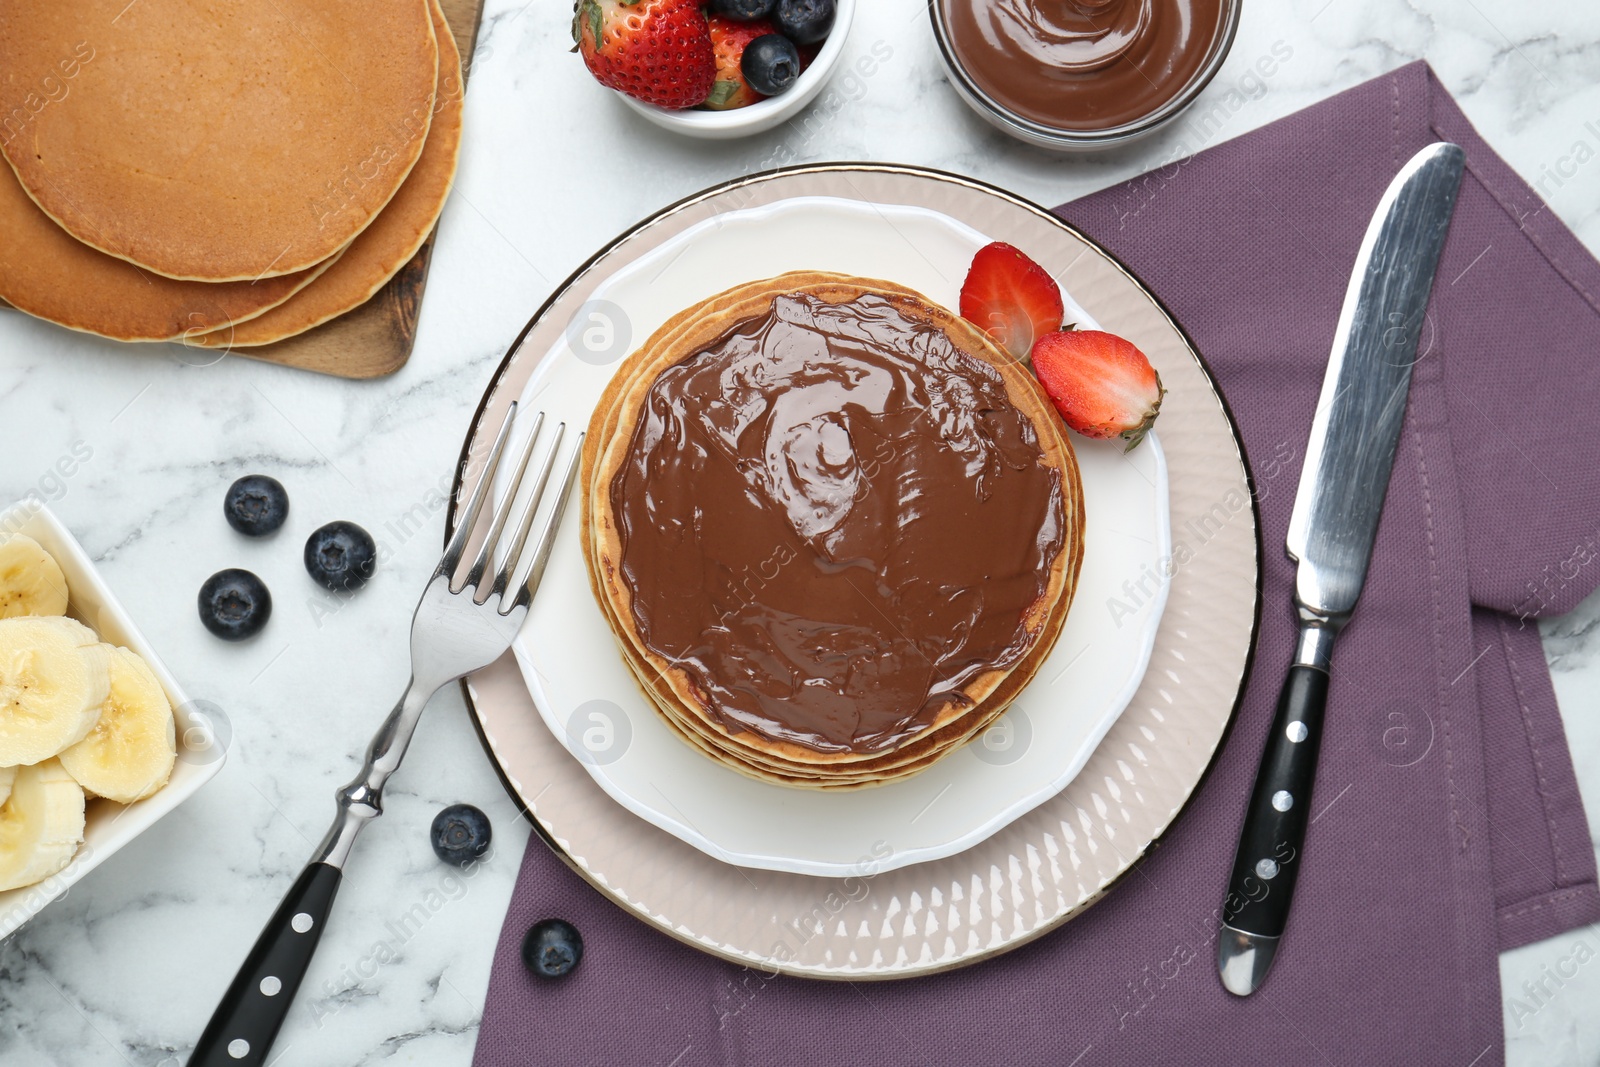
[1331, 531]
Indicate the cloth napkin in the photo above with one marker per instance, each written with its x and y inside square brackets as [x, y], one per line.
[1448, 823]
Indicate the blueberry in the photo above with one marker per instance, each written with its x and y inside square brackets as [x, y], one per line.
[341, 556]
[770, 64]
[460, 834]
[804, 21]
[256, 505]
[552, 949]
[743, 10]
[234, 604]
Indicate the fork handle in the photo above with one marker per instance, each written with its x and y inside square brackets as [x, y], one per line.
[252, 1011]
[244, 1025]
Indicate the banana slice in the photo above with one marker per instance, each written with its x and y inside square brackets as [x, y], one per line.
[8, 775]
[41, 825]
[54, 676]
[128, 754]
[31, 582]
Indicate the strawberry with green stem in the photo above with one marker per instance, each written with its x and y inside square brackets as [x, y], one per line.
[1102, 385]
[658, 51]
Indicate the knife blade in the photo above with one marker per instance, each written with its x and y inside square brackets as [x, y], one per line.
[1343, 482]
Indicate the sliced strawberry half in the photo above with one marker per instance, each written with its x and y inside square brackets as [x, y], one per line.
[728, 40]
[1102, 384]
[1011, 297]
[658, 51]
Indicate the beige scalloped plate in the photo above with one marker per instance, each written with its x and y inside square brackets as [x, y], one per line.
[1052, 862]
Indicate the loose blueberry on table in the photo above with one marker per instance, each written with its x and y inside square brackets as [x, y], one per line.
[552, 949]
[341, 556]
[460, 834]
[256, 505]
[234, 604]
[717, 55]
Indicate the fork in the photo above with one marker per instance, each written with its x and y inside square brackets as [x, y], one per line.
[464, 623]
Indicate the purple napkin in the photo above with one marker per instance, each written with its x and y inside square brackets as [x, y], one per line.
[1448, 821]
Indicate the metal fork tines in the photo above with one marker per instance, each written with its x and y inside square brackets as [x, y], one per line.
[465, 621]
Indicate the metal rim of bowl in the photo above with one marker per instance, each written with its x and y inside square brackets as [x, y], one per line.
[1040, 135]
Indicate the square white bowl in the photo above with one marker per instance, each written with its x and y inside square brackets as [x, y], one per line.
[108, 825]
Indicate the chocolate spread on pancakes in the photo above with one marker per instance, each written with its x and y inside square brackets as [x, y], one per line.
[1083, 64]
[832, 520]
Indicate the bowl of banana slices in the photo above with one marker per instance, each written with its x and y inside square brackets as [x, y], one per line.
[97, 740]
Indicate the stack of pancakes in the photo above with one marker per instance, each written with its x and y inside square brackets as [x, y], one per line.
[834, 529]
[226, 174]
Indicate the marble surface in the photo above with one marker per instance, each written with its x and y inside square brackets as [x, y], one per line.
[126, 968]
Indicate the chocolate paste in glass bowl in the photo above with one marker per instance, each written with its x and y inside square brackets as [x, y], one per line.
[1084, 65]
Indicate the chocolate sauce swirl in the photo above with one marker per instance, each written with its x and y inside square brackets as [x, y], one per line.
[832, 520]
[1083, 64]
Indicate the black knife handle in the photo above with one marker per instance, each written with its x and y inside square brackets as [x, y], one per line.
[242, 1029]
[1270, 845]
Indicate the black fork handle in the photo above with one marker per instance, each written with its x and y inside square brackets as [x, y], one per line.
[252, 1011]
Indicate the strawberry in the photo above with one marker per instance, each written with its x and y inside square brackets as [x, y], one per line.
[728, 38]
[1103, 386]
[1011, 297]
[658, 51]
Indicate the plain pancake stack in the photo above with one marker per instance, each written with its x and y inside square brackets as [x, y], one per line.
[875, 454]
[223, 174]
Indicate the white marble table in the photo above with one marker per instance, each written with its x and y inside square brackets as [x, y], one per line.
[127, 968]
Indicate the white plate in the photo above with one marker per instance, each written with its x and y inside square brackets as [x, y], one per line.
[109, 826]
[590, 701]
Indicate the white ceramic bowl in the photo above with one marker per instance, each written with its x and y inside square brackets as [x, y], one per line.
[763, 115]
[201, 752]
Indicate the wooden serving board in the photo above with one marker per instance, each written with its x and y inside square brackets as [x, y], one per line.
[376, 338]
